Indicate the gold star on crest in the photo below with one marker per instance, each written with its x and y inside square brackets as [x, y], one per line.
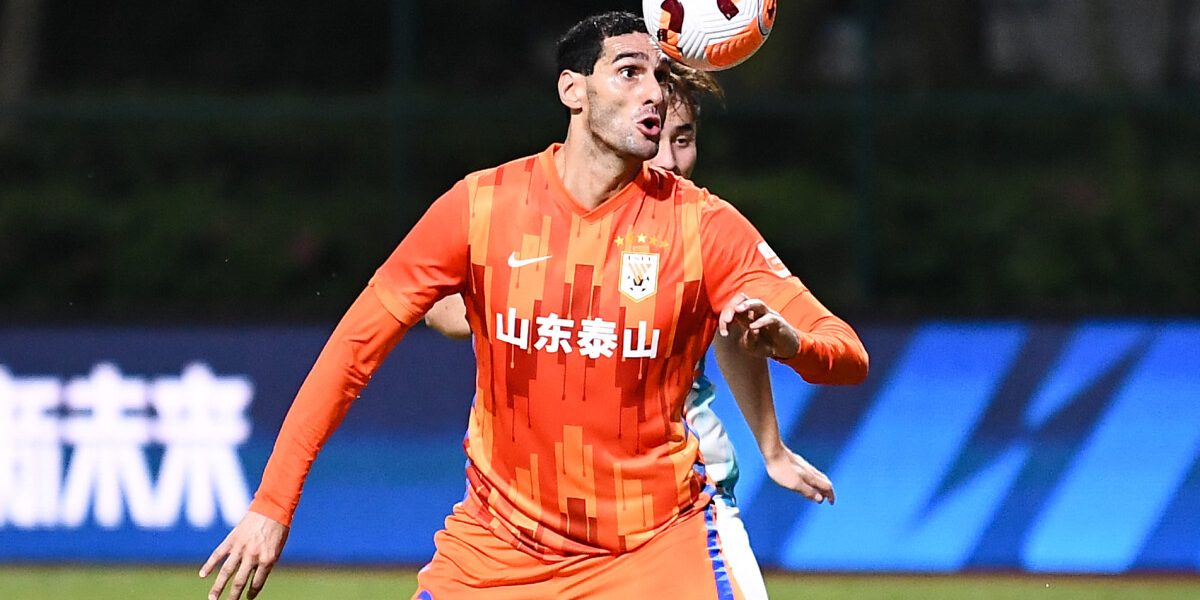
[641, 238]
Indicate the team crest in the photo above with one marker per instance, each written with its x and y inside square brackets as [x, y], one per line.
[639, 275]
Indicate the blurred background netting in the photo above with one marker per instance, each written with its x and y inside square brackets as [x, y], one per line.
[215, 161]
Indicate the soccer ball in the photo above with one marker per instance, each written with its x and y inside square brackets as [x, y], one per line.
[709, 35]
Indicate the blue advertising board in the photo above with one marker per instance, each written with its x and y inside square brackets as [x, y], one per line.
[972, 445]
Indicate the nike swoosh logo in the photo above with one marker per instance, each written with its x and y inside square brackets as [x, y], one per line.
[514, 262]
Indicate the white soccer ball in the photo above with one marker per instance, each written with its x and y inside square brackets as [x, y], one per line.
[709, 35]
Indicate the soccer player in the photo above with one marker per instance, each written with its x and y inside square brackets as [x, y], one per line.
[593, 284]
[747, 375]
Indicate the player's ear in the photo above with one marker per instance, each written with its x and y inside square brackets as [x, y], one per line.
[572, 90]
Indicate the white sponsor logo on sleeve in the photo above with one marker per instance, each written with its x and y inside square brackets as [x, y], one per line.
[777, 267]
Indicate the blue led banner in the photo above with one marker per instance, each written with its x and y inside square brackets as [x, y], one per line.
[116, 444]
[973, 445]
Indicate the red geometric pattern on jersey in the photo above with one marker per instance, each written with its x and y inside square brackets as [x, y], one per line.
[572, 449]
[574, 453]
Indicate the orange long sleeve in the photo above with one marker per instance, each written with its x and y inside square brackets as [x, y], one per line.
[830, 351]
[739, 260]
[356, 348]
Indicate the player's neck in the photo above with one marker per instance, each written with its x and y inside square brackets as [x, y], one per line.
[593, 174]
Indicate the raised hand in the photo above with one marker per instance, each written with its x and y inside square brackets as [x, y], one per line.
[759, 329]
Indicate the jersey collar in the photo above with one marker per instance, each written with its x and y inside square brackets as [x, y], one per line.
[642, 182]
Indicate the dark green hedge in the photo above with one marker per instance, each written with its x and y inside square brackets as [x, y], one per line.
[247, 218]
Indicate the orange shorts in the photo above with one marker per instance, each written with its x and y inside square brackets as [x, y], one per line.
[684, 561]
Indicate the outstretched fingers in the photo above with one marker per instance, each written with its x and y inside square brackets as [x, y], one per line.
[218, 554]
[249, 552]
[228, 571]
[243, 577]
[260, 579]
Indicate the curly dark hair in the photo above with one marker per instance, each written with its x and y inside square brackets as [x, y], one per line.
[580, 47]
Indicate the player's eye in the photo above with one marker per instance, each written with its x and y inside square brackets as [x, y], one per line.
[628, 72]
[683, 141]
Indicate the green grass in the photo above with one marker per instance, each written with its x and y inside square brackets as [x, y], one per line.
[136, 583]
[981, 587]
[159, 583]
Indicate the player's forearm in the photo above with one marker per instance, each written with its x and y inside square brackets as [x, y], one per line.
[354, 351]
[830, 351]
[750, 382]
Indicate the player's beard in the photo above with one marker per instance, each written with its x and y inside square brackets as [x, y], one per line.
[616, 131]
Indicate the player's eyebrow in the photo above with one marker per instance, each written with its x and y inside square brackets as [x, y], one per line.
[631, 54]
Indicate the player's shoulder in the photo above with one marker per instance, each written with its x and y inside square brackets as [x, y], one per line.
[686, 192]
[514, 172]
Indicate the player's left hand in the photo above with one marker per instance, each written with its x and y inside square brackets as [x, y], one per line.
[760, 330]
[791, 471]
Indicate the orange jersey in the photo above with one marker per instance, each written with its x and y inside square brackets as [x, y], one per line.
[588, 327]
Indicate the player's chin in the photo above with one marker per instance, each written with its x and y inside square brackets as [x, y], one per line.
[643, 147]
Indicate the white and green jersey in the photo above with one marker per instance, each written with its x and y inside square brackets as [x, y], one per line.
[715, 446]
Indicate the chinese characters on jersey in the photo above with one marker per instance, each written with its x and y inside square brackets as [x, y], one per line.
[593, 338]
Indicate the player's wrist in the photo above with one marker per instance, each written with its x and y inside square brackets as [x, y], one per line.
[793, 347]
[790, 350]
[773, 452]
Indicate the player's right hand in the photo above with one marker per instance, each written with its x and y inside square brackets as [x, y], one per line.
[249, 552]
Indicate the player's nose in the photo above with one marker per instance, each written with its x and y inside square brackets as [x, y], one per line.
[657, 94]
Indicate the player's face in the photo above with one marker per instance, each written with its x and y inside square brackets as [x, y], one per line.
[677, 145]
[626, 96]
